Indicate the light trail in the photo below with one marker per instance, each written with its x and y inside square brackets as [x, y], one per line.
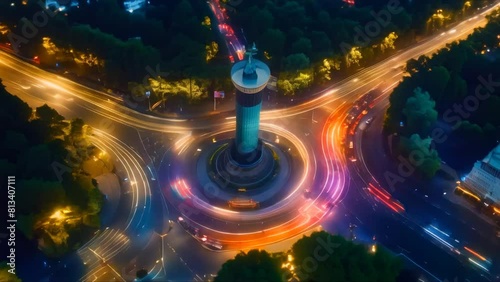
[479, 265]
[475, 253]
[97, 102]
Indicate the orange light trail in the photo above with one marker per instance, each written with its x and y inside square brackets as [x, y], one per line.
[385, 198]
[475, 253]
[468, 193]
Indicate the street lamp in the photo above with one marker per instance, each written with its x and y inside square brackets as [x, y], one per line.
[148, 93]
[162, 251]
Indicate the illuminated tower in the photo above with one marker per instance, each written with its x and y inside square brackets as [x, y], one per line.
[249, 77]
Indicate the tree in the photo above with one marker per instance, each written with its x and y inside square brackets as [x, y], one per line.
[272, 41]
[262, 21]
[76, 129]
[354, 56]
[420, 112]
[326, 68]
[296, 62]
[138, 91]
[291, 14]
[303, 45]
[414, 66]
[285, 86]
[388, 42]
[341, 260]
[5, 275]
[320, 42]
[51, 118]
[35, 162]
[435, 81]
[254, 266]
[420, 154]
[456, 90]
[14, 112]
[38, 196]
[31, 146]
[14, 144]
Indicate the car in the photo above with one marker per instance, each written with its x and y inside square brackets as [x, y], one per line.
[368, 121]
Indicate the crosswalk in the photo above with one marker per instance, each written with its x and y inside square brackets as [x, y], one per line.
[98, 251]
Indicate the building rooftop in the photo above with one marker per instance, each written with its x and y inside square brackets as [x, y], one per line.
[250, 76]
[493, 158]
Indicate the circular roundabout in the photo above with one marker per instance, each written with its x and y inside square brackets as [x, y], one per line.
[245, 184]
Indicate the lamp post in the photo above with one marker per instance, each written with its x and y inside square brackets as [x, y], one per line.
[148, 93]
[163, 252]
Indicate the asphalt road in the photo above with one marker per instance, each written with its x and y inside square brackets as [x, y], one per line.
[426, 205]
[119, 124]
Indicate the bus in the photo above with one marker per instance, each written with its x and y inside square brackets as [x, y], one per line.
[243, 204]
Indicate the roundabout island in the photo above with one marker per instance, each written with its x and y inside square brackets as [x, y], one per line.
[244, 185]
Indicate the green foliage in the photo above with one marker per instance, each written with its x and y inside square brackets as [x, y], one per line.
[296, 62]
[303, 45]
[92, 220]
[15, 142]
[341, 260]
[420, 112]
[79, 189]
[17, 112]
[5, 275]
[37, 196]
[32, 144]
[421, 154]
[273, 42]
[7, 167]
[254, 266]
[127, 42]
[26, 225]
[290, 84]
[318, 257]
[454, 77]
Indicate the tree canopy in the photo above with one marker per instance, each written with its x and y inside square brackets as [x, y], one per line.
[256, 265]
[5, 275]
[341, 260]
[420, 112]
[318, 257]
[55, 198]
[461, 97]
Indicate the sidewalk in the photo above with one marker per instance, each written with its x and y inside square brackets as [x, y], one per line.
[448, 184]
[461, 201]
[110, 187]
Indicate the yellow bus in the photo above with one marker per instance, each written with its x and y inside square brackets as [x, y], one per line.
[243, 204]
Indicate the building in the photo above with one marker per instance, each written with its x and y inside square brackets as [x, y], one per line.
[484, 178]
[132, 5]
[246, 161]
[61, 5]
[250, 78]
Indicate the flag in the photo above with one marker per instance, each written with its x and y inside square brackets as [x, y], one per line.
[218, 94]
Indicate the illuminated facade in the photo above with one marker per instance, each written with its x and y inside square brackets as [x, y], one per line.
[61, 4]
[132, 5]
[484, 178]
[249, 77]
